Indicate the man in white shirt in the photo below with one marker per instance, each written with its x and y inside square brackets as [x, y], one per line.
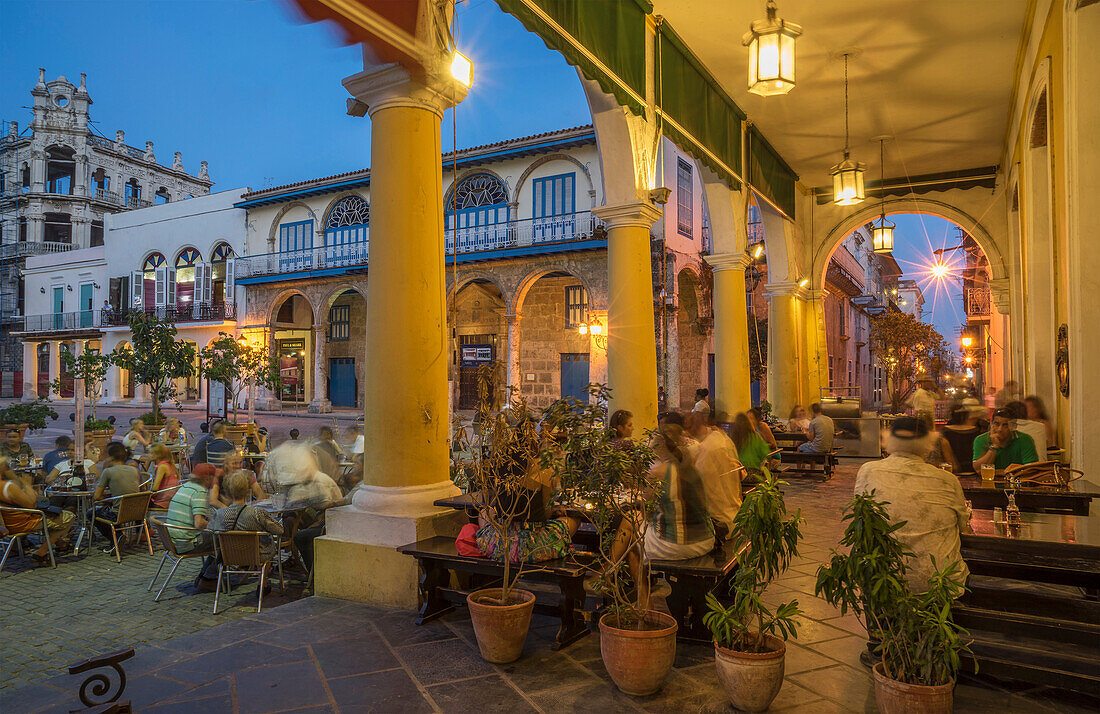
[923, 402]
[716, 460]
[701, 403]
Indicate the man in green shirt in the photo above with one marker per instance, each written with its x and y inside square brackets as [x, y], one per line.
[1003, 446]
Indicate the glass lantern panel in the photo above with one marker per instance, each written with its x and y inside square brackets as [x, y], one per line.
[786, 57]
[769, 56]
[754, 47]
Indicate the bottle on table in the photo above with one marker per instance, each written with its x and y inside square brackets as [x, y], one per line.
[1012, 512]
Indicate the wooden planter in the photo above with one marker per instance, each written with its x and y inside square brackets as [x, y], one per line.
[237, 433]
[5, 428]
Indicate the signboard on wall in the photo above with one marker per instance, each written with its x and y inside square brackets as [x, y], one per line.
[476, 355]
[216, 405]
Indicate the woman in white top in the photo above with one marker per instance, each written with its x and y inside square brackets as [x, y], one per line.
[701, 403]
[798, 421]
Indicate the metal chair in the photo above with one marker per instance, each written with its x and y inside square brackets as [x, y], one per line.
[239, 552]
[132, 510]
[13, 535]
[170, 553]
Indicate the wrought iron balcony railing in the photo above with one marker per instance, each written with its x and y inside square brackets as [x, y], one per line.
[976, 302]
[91, 319]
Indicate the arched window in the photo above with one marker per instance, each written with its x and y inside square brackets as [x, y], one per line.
[145, 281]
[346, 232]
[185, 275]
[154, 261]
[477, 215]
[222, 253]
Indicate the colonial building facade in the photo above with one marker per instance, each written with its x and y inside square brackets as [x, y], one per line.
[58, 182]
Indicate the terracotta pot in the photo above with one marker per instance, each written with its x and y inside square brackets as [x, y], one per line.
[752, 679]
[639, 660]
[894, 697]
[5, 428]
[501, 630]
[236, 433]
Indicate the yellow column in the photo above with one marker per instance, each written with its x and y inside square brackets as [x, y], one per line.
[631, 341]
[816, 373]
[407, 422]
[55, 368]
[783, 347]
[731, 334]
[30, 371]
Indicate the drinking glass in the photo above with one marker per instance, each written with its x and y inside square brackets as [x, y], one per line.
[988, 472]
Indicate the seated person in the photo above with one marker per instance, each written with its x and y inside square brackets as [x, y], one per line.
[819, 434]
[218, 446]
[17, 492]
[680, 528]
[14, 449]
[238, 516]
[328, 452]
[716, 461]
[118, 479]
[928, 499]
[1002, 446]
[173, 433]
[188, 515]
[63, 446]
[752, 450]
[166, 476]
[63, 469]
[1035, 429]
[961, 431]
[234, 462]
[137, 440]
[798, 421]
[287, 463]
[756, 417]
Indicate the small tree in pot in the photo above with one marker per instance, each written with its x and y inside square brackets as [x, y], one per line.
[28, 415]
[238, 364]
[749, 637]
[495, 466]
[156, 358]
[916, 639]
[611, 481]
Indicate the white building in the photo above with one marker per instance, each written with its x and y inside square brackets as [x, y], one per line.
[174, 259]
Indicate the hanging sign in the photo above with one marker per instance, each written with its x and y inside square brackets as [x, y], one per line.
[474, 355]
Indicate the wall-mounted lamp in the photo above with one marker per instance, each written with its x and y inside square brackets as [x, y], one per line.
[758, 251]
[42, 290]
[70, 287]
[804, 282]
[97, 286]
[595, 329]
[462, 69]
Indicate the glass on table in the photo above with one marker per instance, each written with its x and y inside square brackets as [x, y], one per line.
[989, 471]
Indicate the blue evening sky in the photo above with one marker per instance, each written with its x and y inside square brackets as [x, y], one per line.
[256, 92]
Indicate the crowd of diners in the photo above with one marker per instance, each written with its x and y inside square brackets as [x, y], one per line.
[198, 487]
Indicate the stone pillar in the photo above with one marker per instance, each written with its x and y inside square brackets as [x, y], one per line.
[783, 347]
[597, 351]
[732, 389]
[80, 176]
[55, 367]
[81, 233]
[320, 403]
[511, 359]
[631, 343]
[36, 228]
[405, 367]
[112, 385]
[30, 371]
[38, 172]
[815, 374]
[672, 356]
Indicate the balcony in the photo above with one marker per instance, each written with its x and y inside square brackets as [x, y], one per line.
[82, 320]
[102, 194]
[23, 248]
[137, 202]
[512, 235]
[95, 319]
[976, 302]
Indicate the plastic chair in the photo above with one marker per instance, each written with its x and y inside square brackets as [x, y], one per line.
[239, 552]
[170, 553]
[13, 536]
[132, 510]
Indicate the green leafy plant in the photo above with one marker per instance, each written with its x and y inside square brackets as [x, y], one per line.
[91, 366]
[153, 418]
[905, 345]
[612, 482]
[767, 539]
[33, 414]
[97, 424]
[917, 640]
[156, 358]
[238, 364]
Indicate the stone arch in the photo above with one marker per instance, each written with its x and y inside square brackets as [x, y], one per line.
[339, 290]
[907, 204]
[475, 171]
[547, 159]
[692, 334]
[273, 231]
[516, 301]
[281, 297]
[466, 278]
[332, 204]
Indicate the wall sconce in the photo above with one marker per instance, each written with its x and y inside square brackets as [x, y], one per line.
[70, 287]
[96, 286]
[42, 290]
[595, 330]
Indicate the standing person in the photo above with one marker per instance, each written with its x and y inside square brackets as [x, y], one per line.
[1037, 411]
[137, 440]
[621, 425]
[328, 452]
[927, 501]
[1035, 429]
[118, 479]
[820, 433]
[716, 461]
[798, 420]
[680, 528]
[165, 475]
[187, 519]
[923, 403]
[17, 492]
[1002, 446]
[701, 403]
[752, 450]
[1008, 393]
[756, 417]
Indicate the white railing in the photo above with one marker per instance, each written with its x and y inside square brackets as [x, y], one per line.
[24, 248]
[475, 239]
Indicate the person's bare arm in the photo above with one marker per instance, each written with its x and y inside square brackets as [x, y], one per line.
[201, 521]
[990, 455]
[161, 471]
[22, 496]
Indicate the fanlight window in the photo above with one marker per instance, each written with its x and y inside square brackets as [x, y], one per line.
[153, 262]
[224, 251]
[187, 257]
[479, 190]
[350, 211]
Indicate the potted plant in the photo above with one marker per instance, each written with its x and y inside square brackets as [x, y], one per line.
[611, 480]
[156, 359]
[27, 415]
[916, 641]
[495, 468]
[239, 365]
[749, 638]
[91, 366]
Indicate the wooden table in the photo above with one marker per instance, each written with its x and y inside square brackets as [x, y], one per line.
[1073, 499]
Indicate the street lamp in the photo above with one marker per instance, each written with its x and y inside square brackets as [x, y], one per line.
[771, 54]
[847, 175]
[882, 232]
[967, 341]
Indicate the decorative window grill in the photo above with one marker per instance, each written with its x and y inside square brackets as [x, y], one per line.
[349, 211]
[479, 190]
[576, 306]
[153, 262]
[187, 258]
[339, 323]
[223, 251]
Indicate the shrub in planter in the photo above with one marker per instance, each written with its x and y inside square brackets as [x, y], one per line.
[613, 482]
[917, 641]
[749, 638]
[32, 414]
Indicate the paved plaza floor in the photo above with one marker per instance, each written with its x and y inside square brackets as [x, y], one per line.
[321, 655]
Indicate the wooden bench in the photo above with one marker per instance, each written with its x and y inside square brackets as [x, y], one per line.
[806, 464]
[438, 556]
[691, 580]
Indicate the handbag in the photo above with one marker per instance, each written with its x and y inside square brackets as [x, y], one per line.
[1043, 473]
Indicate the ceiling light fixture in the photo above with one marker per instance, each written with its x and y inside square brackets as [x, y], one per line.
[882, 233]
[771, 54]
[848, 174]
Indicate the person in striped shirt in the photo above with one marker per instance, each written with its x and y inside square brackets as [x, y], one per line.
[188, 515]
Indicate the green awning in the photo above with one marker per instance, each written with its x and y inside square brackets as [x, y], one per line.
[769, 174]
[605, 40]
[704, 120]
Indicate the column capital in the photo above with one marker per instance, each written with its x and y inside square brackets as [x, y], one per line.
[728, 261]
[786, 288]
[513, 318]
[1001, 295]
[392, 86]
[642, 214]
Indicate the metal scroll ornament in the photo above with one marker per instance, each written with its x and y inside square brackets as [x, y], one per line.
[1061, 359]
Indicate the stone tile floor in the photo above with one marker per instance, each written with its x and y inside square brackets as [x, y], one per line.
[318, 655]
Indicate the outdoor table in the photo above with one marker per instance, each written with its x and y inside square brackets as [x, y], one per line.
[288, 513]
[1073, 499]
[84, 522]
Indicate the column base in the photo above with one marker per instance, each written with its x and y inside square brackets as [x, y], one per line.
[319, 406]
[28, 397]
[358, 560]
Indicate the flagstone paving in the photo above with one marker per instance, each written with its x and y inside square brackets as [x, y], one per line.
[323, 655]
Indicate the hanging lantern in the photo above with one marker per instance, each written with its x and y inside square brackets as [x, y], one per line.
[771, 54]
[882, 235]
[848, 182]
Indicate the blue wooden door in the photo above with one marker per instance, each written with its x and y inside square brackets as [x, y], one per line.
[574, 376]
[341, 381]
[710, 379]
[86, 307]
